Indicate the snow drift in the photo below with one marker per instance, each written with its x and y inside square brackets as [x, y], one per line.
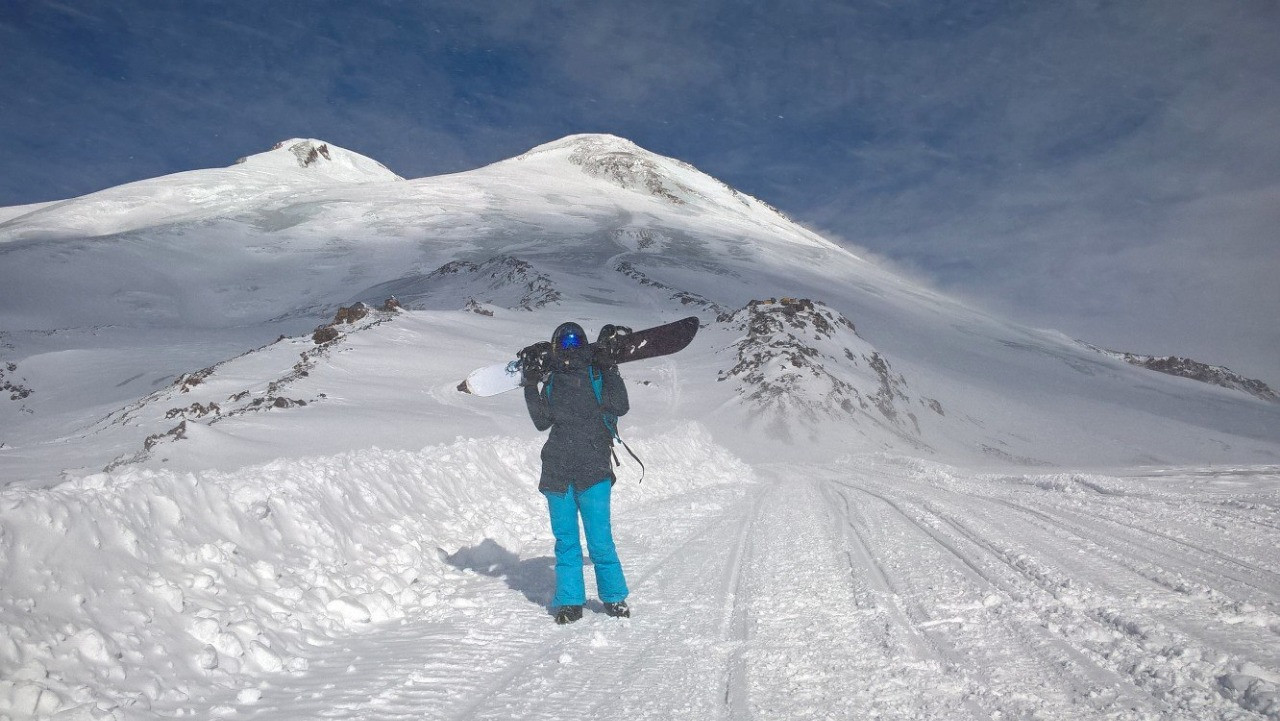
[123, 591]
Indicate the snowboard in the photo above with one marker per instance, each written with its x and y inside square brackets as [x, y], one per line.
[616, 344]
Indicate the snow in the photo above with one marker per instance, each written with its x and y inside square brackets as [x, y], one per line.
[182, 582]
[385, 582]
[878, 503]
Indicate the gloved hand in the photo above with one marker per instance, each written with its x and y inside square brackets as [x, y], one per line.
[611, 345]
[534, 363]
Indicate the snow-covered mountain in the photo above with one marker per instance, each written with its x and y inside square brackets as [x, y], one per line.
[109, 299]
[237, 478]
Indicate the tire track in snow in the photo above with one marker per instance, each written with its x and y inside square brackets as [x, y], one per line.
[1169, 573]
[663, 663]
[999, 651]
[1089, 606]
[1257, 579]
[463, 658]
[825, 643]
[1113, 623]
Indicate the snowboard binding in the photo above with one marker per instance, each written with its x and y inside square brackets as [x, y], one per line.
[612, 344]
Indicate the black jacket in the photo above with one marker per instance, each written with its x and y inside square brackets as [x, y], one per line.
[579, 449]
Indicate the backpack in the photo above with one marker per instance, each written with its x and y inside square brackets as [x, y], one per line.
[610, 420]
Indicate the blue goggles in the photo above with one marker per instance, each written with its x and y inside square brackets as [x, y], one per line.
[569, 339]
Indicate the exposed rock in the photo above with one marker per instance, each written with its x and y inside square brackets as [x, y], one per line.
[627, 165]
[1197, 371]
[476, 308]
[685, 297]
[195, 410]
[16, 390]
[801, 361]
[629, 170]
[276, 402]
[346, 315]
[210, 413]
[351, 314]
[187, 381]
[177, 433]
[501, 281]
[306, 151]
[390, 304]
[325, 334]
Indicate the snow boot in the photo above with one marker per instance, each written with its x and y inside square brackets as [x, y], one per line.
[568, 614]
[618, 610]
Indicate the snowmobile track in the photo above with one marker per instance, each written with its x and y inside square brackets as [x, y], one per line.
[1097, 586]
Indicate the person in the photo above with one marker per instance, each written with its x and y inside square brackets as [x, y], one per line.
[573, 396]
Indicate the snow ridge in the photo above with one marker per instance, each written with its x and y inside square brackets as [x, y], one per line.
[321, 158]
[153, 586]
[624, 164]
[502, 280]
[1196, 371]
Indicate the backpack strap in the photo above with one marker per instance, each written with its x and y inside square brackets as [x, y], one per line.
[597, 387]
[610, 421]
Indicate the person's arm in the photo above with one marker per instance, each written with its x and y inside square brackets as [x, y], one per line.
[613, 397]
[539, 408]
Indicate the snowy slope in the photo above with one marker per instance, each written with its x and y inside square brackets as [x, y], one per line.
[206, 512]
[107, 298]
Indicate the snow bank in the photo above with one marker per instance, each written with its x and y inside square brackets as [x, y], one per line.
[126, 589]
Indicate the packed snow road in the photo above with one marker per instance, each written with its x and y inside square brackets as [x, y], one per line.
[875, 588]
[399, 585]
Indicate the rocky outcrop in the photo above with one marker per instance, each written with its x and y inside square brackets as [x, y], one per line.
[683, 296]
[195, 410]
[804, 364]
[502, 281]
[306, 151]
[1196, 371]
[346, 315]
[8, 385]
[627, 168]
[627, 165]
[217, 400]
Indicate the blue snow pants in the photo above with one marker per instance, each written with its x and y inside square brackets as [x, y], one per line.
[593, 505]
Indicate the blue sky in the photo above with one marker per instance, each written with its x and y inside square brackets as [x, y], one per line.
[1108, 169]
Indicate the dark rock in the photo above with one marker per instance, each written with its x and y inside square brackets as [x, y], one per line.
[1197, 371]
[187, 381]
[195, 410]
[476, 308]
[796, 363]
[685, 297]
[177, 433]
[351, 314]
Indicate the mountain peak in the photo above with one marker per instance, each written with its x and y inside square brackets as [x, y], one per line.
[621, 162]
[588, 142]
[319, 157]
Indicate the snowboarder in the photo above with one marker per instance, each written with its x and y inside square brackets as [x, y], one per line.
[576, 396]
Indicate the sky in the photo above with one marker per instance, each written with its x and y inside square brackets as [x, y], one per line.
[1107, 169]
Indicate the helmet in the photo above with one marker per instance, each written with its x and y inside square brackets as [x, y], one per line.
[568, 336]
